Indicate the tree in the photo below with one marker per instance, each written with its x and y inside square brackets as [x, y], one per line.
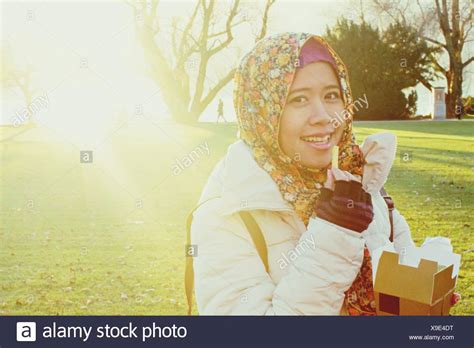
[196, 41]
[381, 66]
[445, 26]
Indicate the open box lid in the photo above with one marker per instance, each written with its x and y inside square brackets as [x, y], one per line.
[425, 283]
[419, 274]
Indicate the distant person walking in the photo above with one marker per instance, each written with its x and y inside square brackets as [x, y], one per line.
[220, 111]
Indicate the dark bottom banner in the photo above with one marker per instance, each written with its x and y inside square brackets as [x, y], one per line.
[168, 331]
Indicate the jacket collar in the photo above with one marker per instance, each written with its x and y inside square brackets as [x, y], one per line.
[246, 186]
[243, 184]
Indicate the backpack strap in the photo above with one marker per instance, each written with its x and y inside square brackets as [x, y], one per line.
[257, 237]
[189, 271]
[255, 233]
[390, 205]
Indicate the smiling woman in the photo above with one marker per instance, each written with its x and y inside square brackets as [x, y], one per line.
[274, 191]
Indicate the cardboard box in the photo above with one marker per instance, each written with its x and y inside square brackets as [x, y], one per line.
[422, 284]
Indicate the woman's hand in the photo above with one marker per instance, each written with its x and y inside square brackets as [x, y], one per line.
[344, 202]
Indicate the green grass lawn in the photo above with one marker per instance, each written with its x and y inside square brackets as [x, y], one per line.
[107, 238]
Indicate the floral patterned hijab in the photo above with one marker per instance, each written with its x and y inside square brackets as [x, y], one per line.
[262, 83]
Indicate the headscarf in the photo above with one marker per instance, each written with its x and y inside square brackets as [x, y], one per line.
[261, 86]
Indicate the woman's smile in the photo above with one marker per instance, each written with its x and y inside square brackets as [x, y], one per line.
[319, 141]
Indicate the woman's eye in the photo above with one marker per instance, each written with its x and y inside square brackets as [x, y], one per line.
[299, 100]
[333, 96]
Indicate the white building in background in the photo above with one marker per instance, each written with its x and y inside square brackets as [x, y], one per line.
[439, 104]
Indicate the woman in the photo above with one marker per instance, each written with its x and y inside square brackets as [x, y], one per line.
[320, 225]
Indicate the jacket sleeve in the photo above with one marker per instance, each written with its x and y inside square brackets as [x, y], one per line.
[401, 232]
[230, 277]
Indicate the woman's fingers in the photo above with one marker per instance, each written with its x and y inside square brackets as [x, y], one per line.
[336, 174]
[344, 176]
[340, 175]
[330, 184]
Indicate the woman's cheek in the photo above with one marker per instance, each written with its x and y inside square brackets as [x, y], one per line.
[289, 132]
[295, 122]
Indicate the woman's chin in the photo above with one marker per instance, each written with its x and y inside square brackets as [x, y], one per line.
[317, 164]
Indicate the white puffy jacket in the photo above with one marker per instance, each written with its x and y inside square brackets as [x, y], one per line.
[309, 269]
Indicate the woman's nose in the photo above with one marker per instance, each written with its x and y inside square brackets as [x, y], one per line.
[319, 114]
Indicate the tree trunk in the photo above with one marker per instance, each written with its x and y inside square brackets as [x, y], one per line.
[454, 81]
[456, 93]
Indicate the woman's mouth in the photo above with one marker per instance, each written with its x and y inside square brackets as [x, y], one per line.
[318, 142]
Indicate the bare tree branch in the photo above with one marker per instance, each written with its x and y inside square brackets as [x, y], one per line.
[386, 7]
[174, 28]
[464, 31]
[230, 18]
[467, 62]
[434, 41]
[187, 28]
[225, 31]
[263, 30]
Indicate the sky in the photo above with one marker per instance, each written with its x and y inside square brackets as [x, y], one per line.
[88, 63]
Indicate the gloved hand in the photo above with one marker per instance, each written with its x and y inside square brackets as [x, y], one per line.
[344, 202]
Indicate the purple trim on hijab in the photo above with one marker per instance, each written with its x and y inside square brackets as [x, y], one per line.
[313, 51]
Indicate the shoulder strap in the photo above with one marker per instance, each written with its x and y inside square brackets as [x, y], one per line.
[255, 233]
[390, 205]
[189, 271]
[257, 236]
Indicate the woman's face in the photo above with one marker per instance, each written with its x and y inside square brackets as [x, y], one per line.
[306, 131]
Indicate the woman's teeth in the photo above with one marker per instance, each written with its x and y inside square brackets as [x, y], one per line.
[317, 140]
